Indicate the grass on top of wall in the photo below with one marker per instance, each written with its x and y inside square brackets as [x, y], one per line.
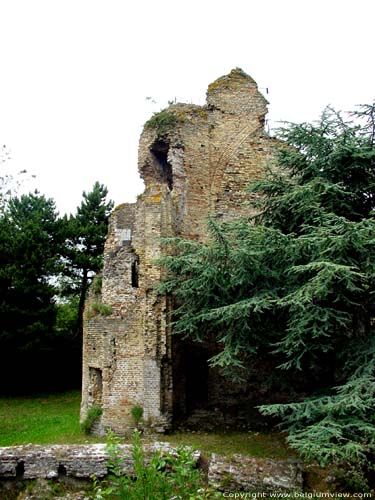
[255, 444]
[54, 419]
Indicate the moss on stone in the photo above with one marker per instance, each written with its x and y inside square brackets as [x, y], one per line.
[155, 198]
[100, 308]
[190, 111]
[163, 122]
[120, 207]
[232, 81]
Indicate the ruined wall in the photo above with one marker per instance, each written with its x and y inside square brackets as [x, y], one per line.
[124, 351]
[213, 151]
[79, 462]
[196, 162]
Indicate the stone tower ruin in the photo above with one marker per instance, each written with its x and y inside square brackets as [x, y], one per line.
[196, 162]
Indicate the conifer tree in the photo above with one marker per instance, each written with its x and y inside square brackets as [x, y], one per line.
[296, 284]
[85, 235]
[29, 249]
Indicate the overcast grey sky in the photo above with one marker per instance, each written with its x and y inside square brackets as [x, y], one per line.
[76, 74]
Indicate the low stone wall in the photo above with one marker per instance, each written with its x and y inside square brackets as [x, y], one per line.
[238, 473]
[79, 461]
[242, 473]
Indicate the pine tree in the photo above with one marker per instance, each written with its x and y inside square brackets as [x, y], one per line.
[29, 247]
[296, 284]
[85, 235]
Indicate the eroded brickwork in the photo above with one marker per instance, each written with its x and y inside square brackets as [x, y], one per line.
[195, 164]
[236, 473]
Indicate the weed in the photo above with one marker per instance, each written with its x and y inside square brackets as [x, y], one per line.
[93, 415]
[100, 308]
[98, 281]
[137, 414]
[163, 476]
[163, 122]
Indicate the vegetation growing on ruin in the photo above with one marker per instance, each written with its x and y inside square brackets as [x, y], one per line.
[93, 415]
[163, 122]
[97, 285]
[100, 308]
[163, 476]
[190, 111]
[235, 78]
[137, 414]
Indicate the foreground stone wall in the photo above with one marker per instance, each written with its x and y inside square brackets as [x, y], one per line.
[195, 164]
[80, 461]
[240, 473]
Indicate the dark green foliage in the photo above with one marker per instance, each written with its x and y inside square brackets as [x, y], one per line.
[213, 284]
[43, 257]
[85, 235]
[29, 249]
[296, 285]
[327, 204]
[93, 415]
[328, 169]
[340, 425]
[66, 318]
[354, 478]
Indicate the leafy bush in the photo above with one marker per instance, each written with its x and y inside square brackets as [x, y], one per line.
[163, 477]
[137, 414]
[354, 478]
[93, 415]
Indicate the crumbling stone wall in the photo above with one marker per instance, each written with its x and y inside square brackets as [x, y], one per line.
[60, 462]
[196, 162]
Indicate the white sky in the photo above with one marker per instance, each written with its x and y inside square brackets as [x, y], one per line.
[75, 74]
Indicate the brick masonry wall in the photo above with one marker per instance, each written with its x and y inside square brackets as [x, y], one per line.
[197, 168]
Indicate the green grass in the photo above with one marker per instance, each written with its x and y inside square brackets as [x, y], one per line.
[54, 419]
[44, 419]
[256, 444]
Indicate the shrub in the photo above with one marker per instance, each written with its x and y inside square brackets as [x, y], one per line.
[98, 281]
[354, 478]
[163, 122]
[93, 415]
[162, 477]
[137, 414]
[100, 308]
